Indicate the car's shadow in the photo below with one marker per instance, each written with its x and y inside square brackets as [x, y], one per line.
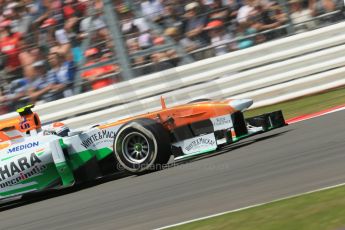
[52, 193]
[49, 194]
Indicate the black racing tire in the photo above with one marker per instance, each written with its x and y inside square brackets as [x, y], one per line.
[141, 146]
[199, 100]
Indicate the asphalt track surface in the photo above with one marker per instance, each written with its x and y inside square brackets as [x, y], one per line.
[295, 159]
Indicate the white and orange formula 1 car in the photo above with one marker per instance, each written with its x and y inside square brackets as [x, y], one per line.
[35, 158]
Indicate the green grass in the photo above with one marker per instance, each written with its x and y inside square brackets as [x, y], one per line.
[322, 210]
[305, 105]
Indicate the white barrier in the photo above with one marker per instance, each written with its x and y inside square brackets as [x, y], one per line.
[243, 73]
[262, 96]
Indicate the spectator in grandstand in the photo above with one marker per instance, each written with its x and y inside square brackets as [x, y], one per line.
[136, 30]
[218, 36]
[322, 6]
[59, 78]
[245, 30]
[129, 23]
[95, 24]
[145, 40]
[61, 44]
[4, 81]
[267, 19]
[2, 61]
[160, 62]
[158, 40]
[133, 45]
[38, 89]
[9, 46]
[194, 25]
[193, 35]
[33, 8]
[90, 23]
[73, 10]
[185, 42]
[233, 7]
[27, 90]
[152, 9]
[245, 11]
[218, 11]
[19, 16]
[17, 90]
[3, 107]
[203, 6]
[97, 76]
[300, 16]
[28, 56]
[178, 5]
[278, 13]
[46, 32]
[171, 18]
[174, 59]
[319, 7]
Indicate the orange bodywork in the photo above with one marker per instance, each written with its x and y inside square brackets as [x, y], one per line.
[183, 114]
[22, 124]
[171, 118]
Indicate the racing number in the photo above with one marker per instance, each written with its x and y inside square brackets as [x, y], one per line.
[24, 124]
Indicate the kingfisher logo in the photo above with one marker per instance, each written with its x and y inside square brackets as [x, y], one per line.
[19, 170]
[23, 146]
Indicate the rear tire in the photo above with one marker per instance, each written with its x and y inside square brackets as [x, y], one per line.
[142, 145]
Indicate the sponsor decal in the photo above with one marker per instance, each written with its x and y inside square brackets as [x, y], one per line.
[15, 167]
[222, 122]
[200, 142]
[23, 176]
[23, 146]
[48, 132]
[21, 169]
[24, 124]
[97, 138]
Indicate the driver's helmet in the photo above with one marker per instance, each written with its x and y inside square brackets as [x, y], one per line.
[60, 129]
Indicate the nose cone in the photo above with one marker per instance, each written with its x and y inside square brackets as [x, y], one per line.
[241, 104]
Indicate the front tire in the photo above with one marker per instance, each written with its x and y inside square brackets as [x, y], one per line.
[142, 145]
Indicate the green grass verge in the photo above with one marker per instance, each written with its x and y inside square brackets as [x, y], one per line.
[305, 105]
[322, 210]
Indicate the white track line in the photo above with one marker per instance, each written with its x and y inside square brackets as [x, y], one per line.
[315, 115]
[248, 207]
[336, 110]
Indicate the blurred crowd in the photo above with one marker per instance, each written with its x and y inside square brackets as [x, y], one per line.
[40, 48]
[225, 25]
[41, 40]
